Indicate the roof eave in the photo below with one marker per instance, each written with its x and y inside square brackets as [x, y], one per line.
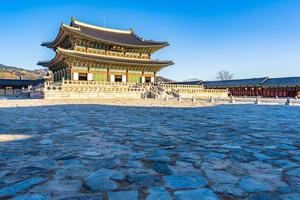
[101, 59]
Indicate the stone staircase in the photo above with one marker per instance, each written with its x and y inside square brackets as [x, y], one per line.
[158, 91]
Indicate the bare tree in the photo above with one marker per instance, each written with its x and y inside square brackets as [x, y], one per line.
[224, 75]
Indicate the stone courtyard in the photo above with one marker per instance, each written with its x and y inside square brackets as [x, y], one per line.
[127, 153]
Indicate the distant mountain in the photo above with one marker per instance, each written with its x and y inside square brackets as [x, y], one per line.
[9, 72]
[162, 79]
[191, 80]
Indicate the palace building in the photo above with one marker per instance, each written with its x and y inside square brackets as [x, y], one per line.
[86, 52]
[98, 62]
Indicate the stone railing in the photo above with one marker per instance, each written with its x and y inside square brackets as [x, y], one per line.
[179, 86]
[94, 89]
[99, 83]
[197, 91]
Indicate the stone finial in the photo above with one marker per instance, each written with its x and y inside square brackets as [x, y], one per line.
[288, 102]
[179, 98]
[257, 100]
[232, 100]
[194, 99]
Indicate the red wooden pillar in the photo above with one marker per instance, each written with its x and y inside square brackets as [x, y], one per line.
[108, 74]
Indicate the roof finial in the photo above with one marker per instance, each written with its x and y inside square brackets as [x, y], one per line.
[73, 19]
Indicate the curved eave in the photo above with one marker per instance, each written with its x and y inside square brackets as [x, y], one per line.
[62, 34]
[58, 57]
[112, 60]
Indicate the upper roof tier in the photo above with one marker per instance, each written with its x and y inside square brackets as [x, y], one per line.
[126, 38]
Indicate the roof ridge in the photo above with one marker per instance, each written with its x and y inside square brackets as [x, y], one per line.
[76, 22]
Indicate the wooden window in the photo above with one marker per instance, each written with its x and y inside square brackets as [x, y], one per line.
[118, 78]
[148, 79]
[82, 76]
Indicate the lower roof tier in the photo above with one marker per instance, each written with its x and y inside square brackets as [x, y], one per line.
[62, 54]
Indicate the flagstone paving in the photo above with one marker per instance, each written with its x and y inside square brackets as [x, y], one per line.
[109, 152]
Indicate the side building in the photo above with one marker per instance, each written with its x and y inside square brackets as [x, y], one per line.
[86, 52]
[16, 86]
[264, 86]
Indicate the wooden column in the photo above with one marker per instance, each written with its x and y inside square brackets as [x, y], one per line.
[127, 78]
[108, 74]
[71, 73]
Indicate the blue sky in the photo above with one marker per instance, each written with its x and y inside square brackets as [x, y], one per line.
[250, 38]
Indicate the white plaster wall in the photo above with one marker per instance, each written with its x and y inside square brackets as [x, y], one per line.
[75, 76]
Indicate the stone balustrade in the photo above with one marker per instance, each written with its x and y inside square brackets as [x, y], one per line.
[95, 89]
[180, 86]
[194, 91]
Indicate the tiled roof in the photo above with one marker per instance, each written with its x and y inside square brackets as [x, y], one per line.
[111, 36]
[118, 37]
[282, 82]
[234, 83]
[18, 82]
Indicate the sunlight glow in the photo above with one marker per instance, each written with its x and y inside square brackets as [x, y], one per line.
[12, 137]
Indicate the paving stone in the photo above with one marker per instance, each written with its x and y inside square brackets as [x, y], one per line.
[184, 181]
[32, 197]
[106, 174]
[96, 196]
[3, 173]
[291, 196]
[286, 147]
[216, 156]
[124, 195]
[20, 186]
[250, 184]
[109, 163]
[33, 171]
[161, 167]
[228, 189]
[221, 176]
[61, 186]
[284, 163]
[230, 146]
[261, 156]
[100, 184]
[134, 164]
[158, 193]
[203, 194]
[294, 172]
[143, 179]
[263, 196]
